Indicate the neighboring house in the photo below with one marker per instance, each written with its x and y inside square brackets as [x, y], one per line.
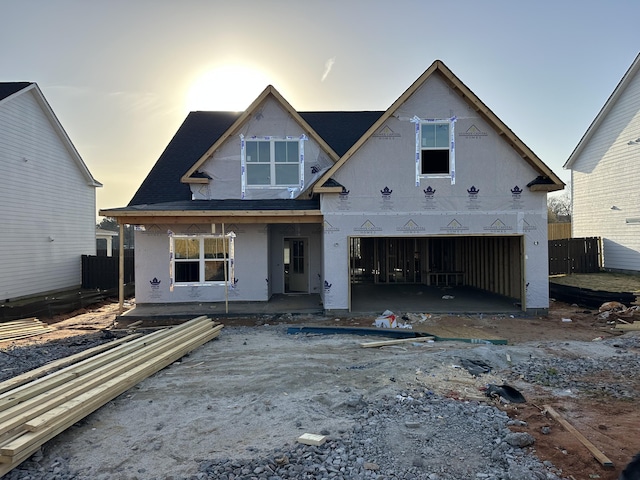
[605, 178]
[434, 191]
[47, 198]
[107, 236]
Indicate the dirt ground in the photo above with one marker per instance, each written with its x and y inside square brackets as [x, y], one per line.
[272, 413]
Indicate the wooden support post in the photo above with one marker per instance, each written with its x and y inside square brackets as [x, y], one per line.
[121, 272]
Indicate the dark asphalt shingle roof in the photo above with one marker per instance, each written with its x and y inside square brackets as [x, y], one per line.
[200, 130]
[9, 88]
[226, 205]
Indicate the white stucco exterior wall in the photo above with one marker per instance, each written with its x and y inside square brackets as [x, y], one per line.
[386, 162]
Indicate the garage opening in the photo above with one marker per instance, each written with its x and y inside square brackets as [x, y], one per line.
[483, 273]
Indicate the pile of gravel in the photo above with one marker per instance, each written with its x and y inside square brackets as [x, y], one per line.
[450, 440]
[613, 376]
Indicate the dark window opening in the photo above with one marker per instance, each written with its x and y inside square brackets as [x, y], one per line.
[187, 272]
[435, 162]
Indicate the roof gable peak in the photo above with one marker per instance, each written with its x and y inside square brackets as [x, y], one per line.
[269, 92]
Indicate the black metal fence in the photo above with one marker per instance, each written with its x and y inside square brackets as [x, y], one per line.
[574, 255]
[100, 272]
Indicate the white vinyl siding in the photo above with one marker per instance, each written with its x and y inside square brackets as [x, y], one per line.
[47, 207]
[605, 186]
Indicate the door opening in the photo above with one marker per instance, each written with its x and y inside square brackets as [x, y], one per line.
[296, 270]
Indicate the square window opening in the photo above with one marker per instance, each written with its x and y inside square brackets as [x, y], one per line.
[273, 163]
[435, 162]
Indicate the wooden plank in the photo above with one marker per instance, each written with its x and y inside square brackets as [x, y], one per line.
[38, 421]
[29, 390]
[628, 326]
[62, 417]
[63, 362]
[604, 461]
[384, 343]
[25, 411]
[29, 442]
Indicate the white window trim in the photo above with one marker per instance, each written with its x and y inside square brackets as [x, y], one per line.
[243, 162]
[201, 261]
[452, 149]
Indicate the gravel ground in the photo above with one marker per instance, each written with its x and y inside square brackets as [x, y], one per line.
[381, 423]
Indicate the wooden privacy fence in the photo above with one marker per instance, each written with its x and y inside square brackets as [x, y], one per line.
[574, 255]
[559, 230]
[102, 272]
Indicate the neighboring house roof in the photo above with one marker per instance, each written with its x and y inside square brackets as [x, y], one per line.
[201, 130]
[609, 104]
[10, 89]
[438, 67]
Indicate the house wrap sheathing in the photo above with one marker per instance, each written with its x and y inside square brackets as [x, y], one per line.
[435, 191]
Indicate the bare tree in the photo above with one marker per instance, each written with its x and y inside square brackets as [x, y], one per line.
[559, 206]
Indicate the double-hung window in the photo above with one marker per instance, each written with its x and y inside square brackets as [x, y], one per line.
[201, 259]
[272, 162]
[435, 148]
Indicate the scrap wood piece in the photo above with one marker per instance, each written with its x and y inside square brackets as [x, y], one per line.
[312, 439]
[629, 326]
[26, 327]
[384, 343]
[604, 461]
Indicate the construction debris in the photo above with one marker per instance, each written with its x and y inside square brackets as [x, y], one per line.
[601, 457]
[42, 407]
[312, 439]
[26, 327]
[504, 393]
[384, 343]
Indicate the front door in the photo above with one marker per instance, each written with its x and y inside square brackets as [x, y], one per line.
[296, 270]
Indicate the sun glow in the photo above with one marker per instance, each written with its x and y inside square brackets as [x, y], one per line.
[226, 88]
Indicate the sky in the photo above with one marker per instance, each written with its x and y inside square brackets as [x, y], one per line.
[122, 75]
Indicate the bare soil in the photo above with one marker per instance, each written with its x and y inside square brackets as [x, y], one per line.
[262, 400]
[605, 281]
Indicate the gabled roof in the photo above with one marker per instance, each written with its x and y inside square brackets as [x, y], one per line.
[11, 89]
[611, 101]
[439, 68]
[196, 134]
[201, 130]
[269, 92]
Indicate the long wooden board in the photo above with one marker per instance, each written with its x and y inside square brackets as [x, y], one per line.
[384, 343]
[601, 457]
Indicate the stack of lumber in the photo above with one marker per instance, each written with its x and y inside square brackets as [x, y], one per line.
[26, 327]
[35, 408]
